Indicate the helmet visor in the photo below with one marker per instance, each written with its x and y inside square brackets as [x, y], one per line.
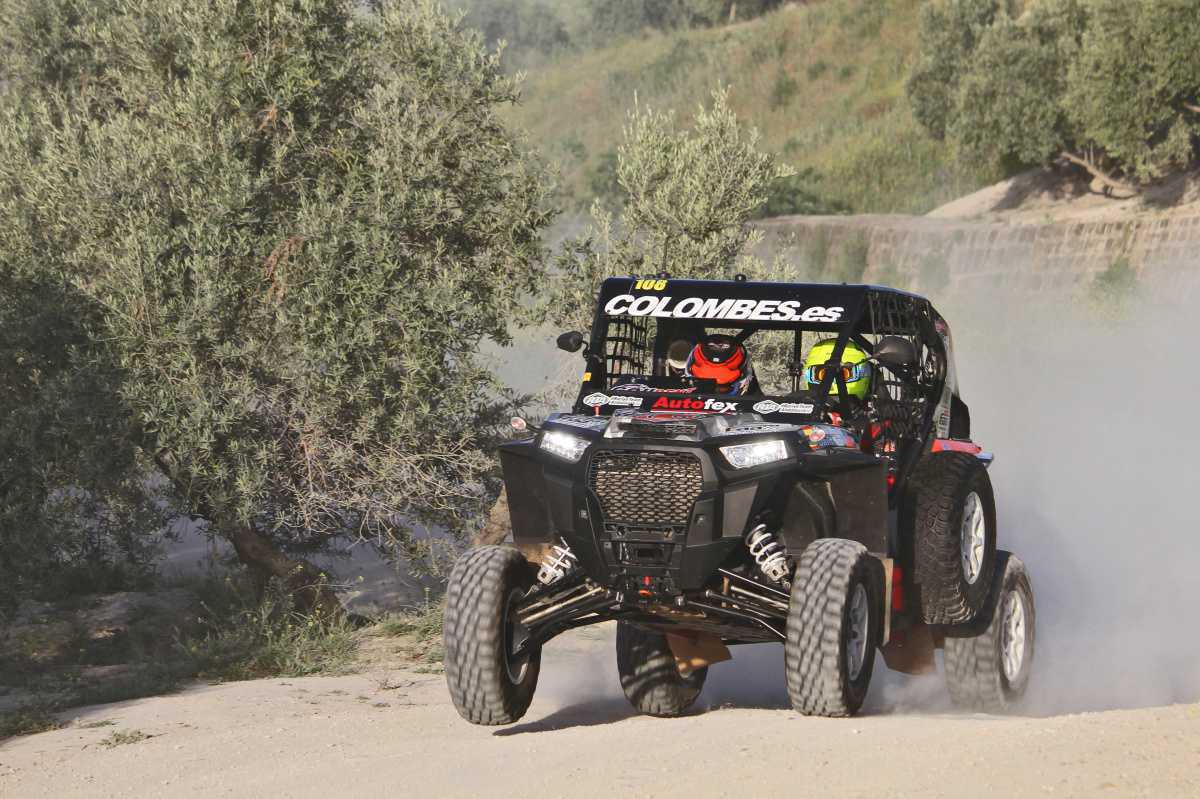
[850, 372]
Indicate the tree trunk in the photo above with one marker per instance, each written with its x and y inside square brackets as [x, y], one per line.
[498, 525]
[1101, 175]
[309, 585]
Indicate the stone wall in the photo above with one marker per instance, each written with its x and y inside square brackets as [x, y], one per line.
[939, 256]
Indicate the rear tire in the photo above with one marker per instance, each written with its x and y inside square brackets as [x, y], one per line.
[487, 683]
[954, 536]
[990, 672]
[833, 626]
[649, 676]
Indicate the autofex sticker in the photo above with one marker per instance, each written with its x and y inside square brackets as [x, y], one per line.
[712, 308]
[693, 404]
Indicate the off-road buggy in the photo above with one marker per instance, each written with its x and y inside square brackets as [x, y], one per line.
[797, 513]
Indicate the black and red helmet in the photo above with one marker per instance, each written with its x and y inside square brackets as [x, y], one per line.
[724, 360]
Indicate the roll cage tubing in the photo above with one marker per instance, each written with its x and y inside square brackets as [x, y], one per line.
[859, 305]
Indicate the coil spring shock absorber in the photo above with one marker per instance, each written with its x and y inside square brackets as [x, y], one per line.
[768, 553]
[559, 566]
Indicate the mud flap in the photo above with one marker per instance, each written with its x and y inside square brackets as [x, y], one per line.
[888, 574]
[911, 651]
[696, 651]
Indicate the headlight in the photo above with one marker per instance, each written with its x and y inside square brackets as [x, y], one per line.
[564, 445]
[743, 456]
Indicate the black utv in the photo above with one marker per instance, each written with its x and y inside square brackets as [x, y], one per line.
[801, 510]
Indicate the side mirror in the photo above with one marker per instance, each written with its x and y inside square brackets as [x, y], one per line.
[895, 353]
[571, 341]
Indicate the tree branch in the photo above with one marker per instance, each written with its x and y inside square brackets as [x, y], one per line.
[1100, 174]
[1195, 109]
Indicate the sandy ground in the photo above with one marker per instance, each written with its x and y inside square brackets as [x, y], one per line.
[395, 733]
[1040, 196]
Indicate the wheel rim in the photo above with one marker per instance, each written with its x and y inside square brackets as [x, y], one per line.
[1015, 636]
[972, 538]
[515, 634]
[856, 639]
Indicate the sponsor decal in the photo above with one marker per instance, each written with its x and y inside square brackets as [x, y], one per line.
[713, 308]
[771, 406]
[598, 399]
[690, 404]
[586, 422]
[642, 388]
[823, 436]
[758, 427]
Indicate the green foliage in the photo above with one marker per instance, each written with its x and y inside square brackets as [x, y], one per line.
[242, 636]
[1009, 100]
[949, 32]
[72, 501]
[282, 230]
[800, 193]
[1106, 85]
[27, 720]
[1118, 277]
[785, 89]
[123, 737]
[1113, 292]
[422, 627]
[689, 195]
[603, 185]
[423, 621]
[1135, 85]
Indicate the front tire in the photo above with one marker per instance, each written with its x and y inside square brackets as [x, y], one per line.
[833, 626]
[649, 676]
[954, 529]
[488, 683]
[990, 672]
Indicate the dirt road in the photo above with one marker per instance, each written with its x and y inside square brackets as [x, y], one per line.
[394, 733]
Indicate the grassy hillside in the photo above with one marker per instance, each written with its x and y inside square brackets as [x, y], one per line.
[823, 82]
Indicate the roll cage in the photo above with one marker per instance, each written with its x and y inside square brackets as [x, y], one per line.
[637, 319]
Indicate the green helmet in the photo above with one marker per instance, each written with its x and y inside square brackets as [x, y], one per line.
[856, 369]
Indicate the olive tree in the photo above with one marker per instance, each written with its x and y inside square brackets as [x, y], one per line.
[1105, 85]
[294, 223]
[1135, 85]
[689, 196]
[1009, 99]
[949, 31]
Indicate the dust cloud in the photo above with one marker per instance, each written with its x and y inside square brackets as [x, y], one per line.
[1089, 413]
[1090, 416]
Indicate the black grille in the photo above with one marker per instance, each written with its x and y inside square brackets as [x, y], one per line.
[652, 429]
[646, 488]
